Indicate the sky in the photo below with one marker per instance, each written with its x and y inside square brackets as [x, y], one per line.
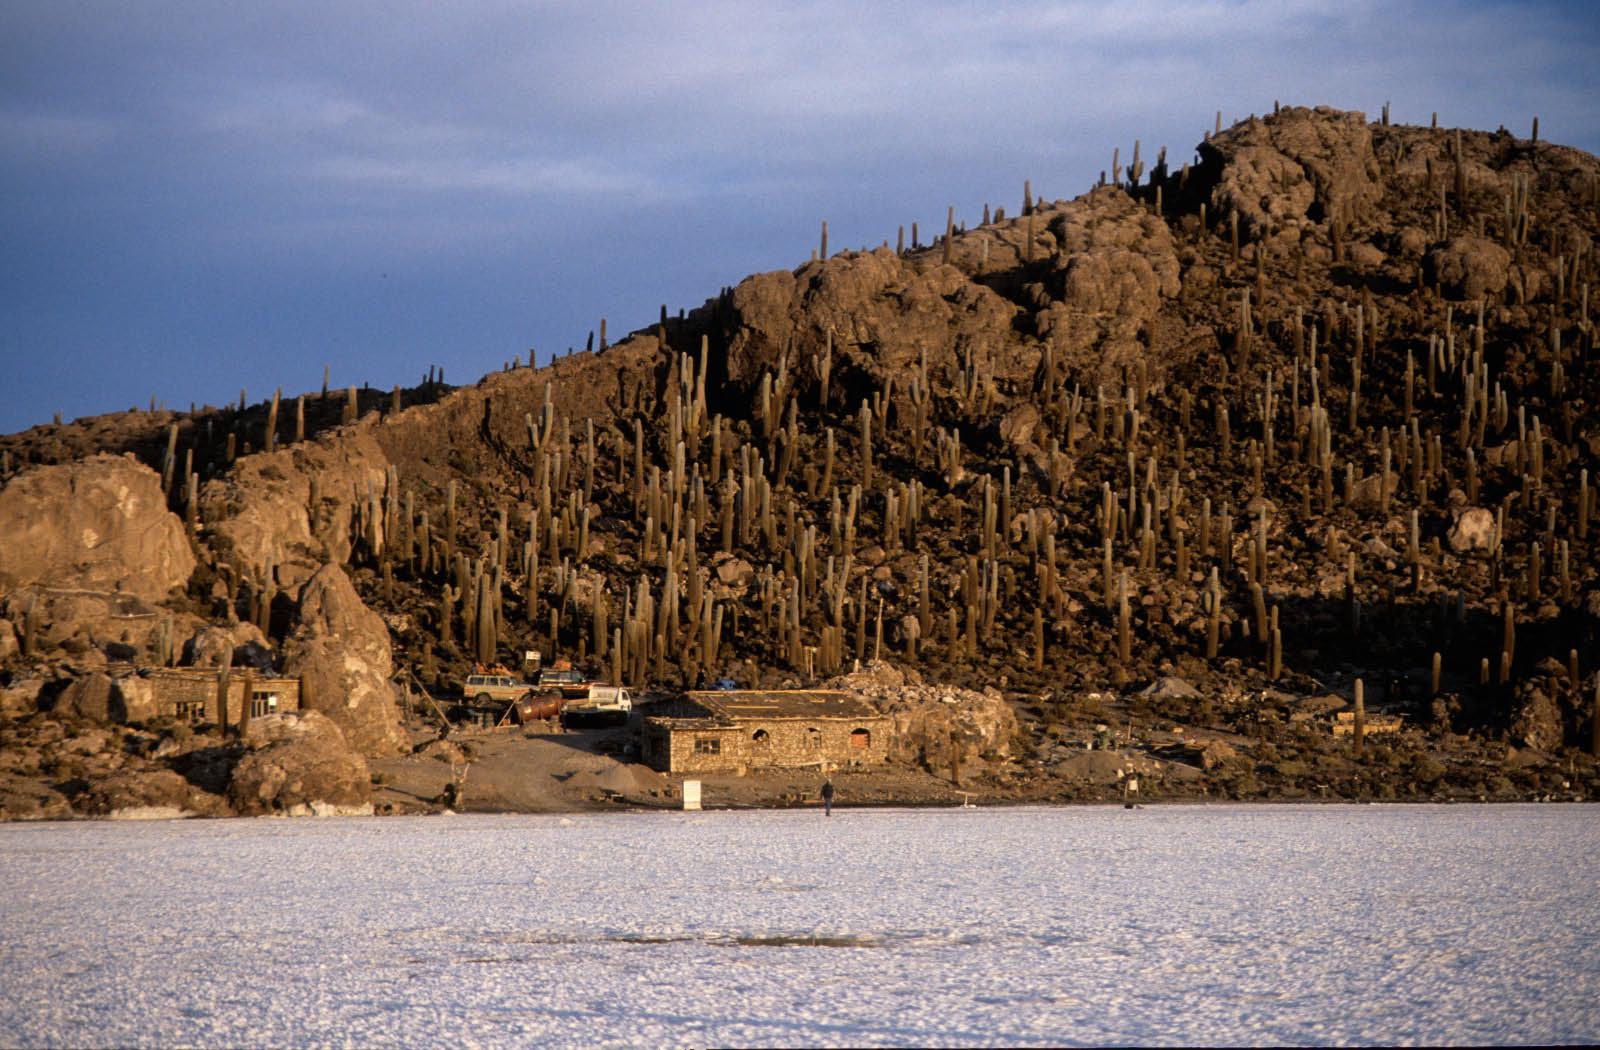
[198, 197]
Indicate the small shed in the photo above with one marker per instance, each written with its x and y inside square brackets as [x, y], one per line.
[734, 731]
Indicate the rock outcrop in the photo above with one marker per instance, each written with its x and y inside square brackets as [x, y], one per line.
[96, 525]
[942, 728]
[340, 651]
[147, 794]
[262, 516]
[1295, 169]
[298, 765]
[1467, 268]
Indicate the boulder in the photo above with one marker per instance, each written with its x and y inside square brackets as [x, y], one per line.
[1536, 720]
[25, 798]
[135, 695]
[91, 697]
[340, 651]
[148, 794]
[302, 765]
[239, 644]
[1467, 267]
[735, 573]
[1473, 530]
[100, 524]
[20, 698]
[1170, 688]
[1018, 425]
[1546, 711]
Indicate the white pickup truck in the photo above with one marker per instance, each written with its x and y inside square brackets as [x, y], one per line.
[601, 700]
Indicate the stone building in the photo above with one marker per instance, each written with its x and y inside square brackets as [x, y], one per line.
[189, 694]
[735, 731]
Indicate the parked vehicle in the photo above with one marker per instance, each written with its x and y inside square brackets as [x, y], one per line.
[599, 702]
[563, 676]
[495, 689]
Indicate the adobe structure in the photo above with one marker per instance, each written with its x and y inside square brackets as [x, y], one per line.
[735, 731]
[189, 694]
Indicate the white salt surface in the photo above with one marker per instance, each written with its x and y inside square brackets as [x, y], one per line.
[1172, 925]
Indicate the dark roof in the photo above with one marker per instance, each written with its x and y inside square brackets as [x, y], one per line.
[768, 704]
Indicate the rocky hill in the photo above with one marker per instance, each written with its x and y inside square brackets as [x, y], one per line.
[1319, 406]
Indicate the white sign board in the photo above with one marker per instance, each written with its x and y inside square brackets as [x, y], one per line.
[691, 794]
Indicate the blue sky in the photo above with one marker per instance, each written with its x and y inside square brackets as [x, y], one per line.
[196, 197]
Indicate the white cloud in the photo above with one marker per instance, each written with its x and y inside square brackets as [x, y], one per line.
[517, 176]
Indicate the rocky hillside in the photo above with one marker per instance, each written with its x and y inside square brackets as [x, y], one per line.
[1319, 406]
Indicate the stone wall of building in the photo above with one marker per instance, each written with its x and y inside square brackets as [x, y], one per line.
[190, 694]
[685, 745]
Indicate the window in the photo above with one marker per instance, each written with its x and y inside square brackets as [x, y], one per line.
[860, 739]
[708, 745]
[760, 738]
[813, 738]
[191, 711]
[263, 704]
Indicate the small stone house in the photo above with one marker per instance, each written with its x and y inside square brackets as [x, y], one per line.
[189, 694]
[735, 731]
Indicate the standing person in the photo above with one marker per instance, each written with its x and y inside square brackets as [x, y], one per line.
[827, 797]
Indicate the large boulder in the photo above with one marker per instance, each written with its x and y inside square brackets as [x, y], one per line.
[92, 698]
[100, 524]
[301, 764]
[340, 651]
[147, 794]
[1546, 710]
[1467, 267]
[1473, 530]
[239, 644]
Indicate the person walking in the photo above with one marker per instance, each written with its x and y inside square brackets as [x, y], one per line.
[827, 797]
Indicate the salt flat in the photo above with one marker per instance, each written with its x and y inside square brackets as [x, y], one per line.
[1205, 924]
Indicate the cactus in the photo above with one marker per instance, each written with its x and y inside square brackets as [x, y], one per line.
[1359, 736]
[448, 596]
[1124, 628]
[1275, 649]
[222, 691]
[484, 623]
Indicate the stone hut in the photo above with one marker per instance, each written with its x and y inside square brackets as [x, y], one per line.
[189, 694]
[735, 731]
